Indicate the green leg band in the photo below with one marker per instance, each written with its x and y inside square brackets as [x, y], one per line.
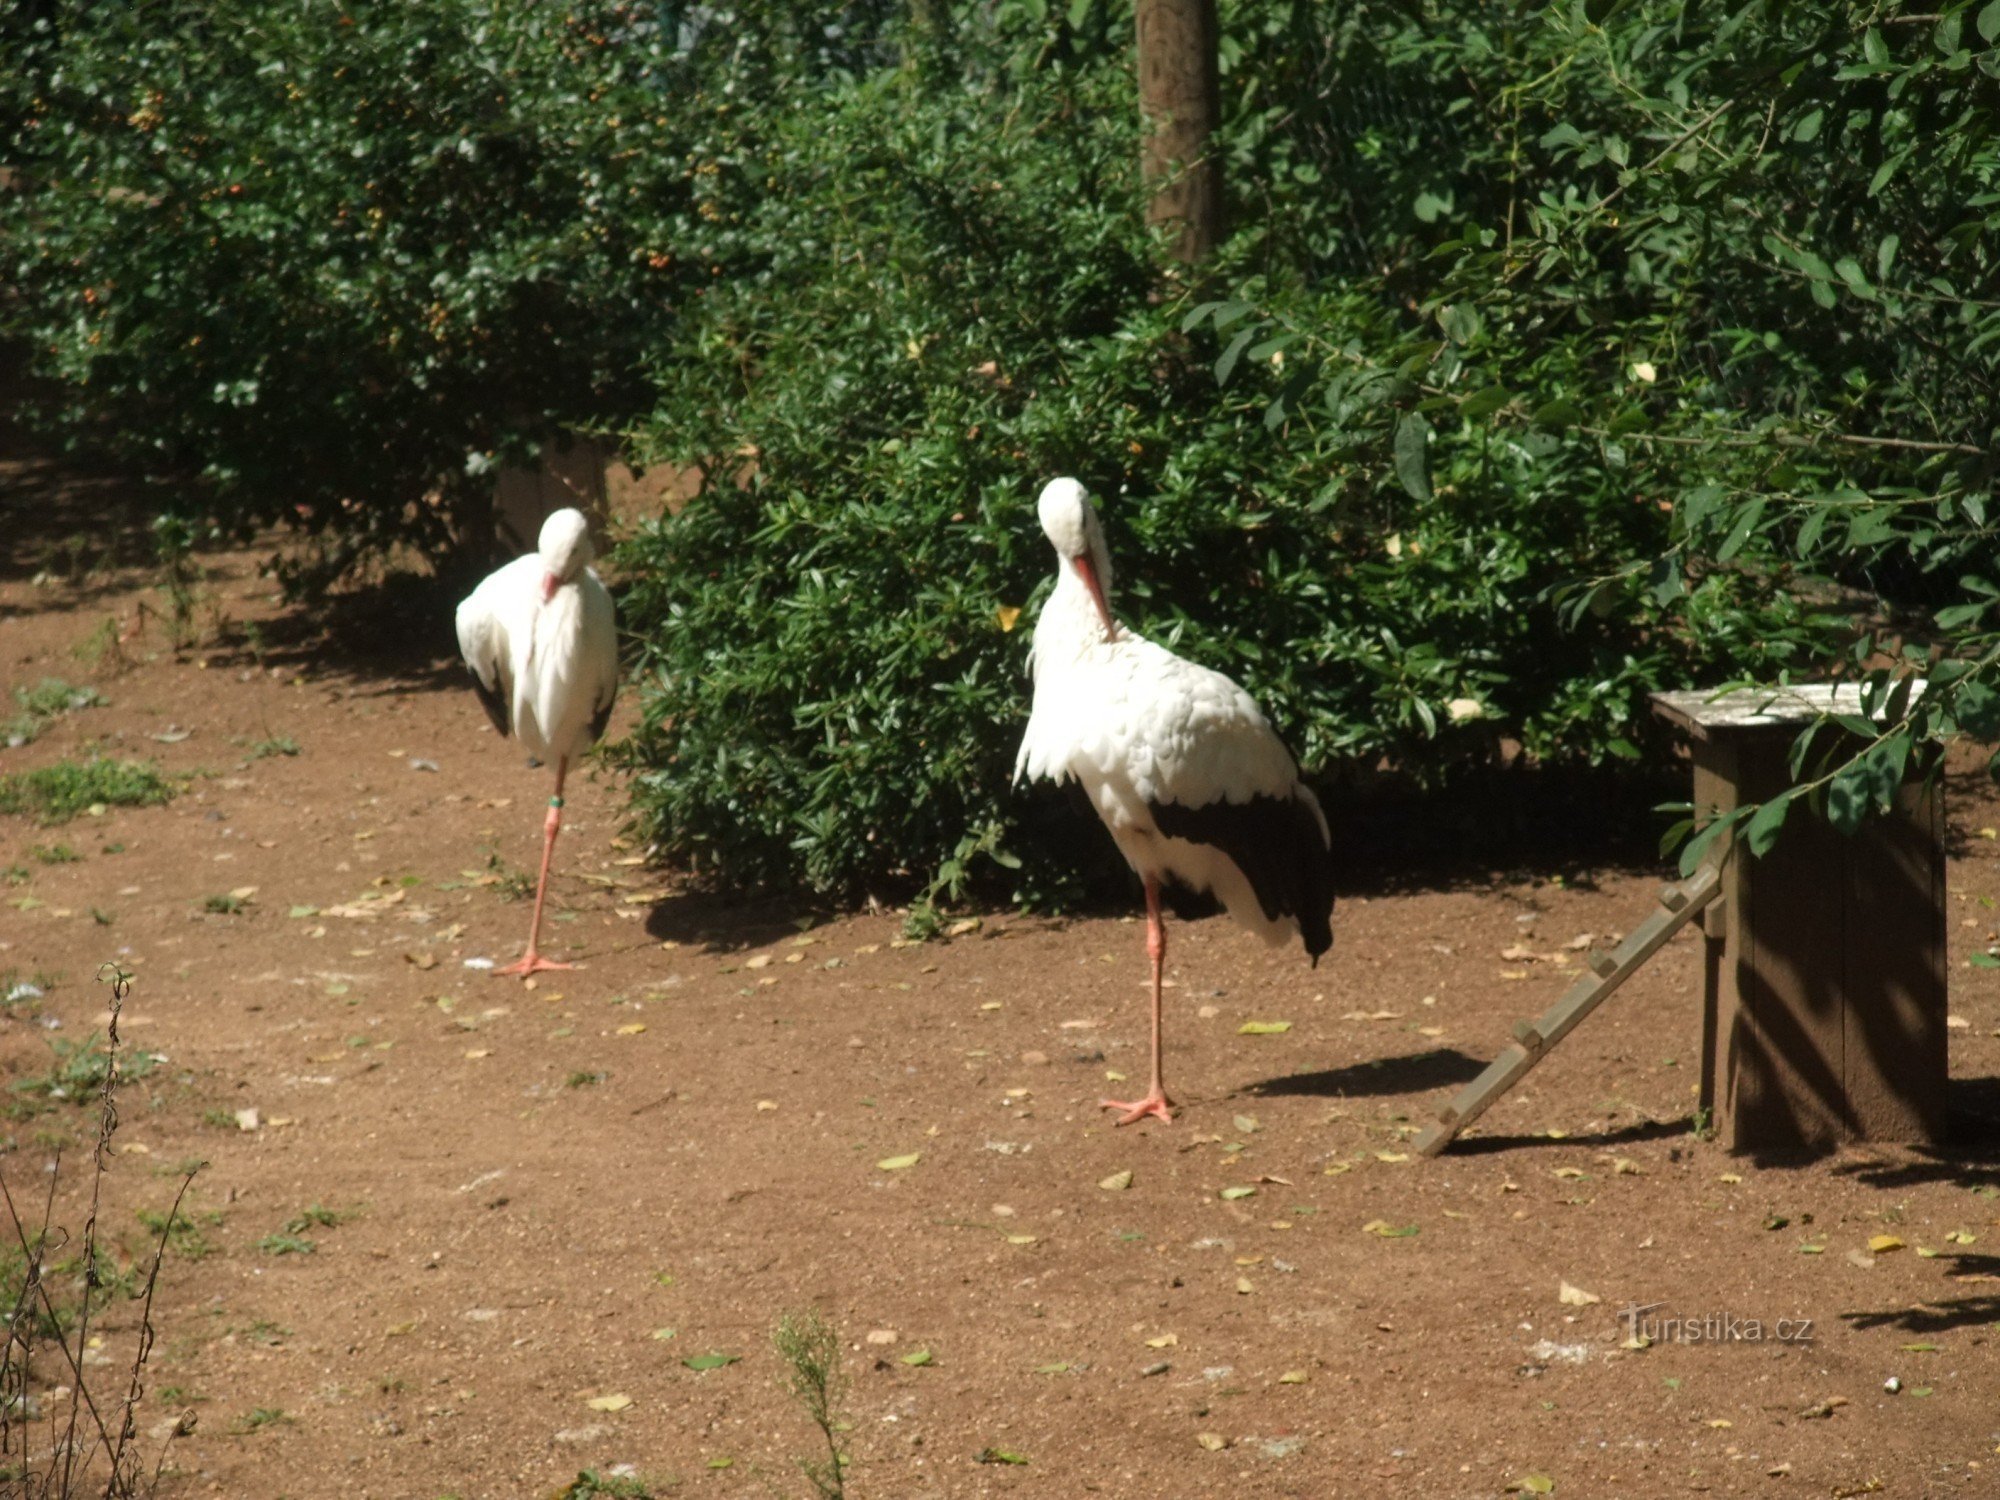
[555, 802]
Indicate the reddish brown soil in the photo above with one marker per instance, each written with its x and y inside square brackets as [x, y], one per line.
[684, 1134]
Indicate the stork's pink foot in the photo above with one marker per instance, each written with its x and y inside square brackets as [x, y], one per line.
[1154, 1104]
[528, 963]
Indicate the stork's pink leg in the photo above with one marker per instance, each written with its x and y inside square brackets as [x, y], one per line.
[1156, 1101]
[532, 962]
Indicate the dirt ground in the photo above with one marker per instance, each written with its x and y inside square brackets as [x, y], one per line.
[470, 1209]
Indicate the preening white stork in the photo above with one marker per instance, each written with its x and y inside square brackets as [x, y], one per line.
[541, 639]
[1178, 761]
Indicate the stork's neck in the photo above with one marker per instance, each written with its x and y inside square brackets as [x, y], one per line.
[1070, 624]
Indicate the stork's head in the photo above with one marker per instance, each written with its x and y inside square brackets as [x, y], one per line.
[565, 550]
[1070, 522]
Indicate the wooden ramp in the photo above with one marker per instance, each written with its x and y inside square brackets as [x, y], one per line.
[1679, 904]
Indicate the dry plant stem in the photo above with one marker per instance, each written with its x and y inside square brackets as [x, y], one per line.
[133, 1388]
[69, 1462]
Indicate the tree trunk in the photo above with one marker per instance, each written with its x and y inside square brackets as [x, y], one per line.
[1180, 96]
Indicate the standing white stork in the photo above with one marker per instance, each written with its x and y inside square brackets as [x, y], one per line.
[540, 637]
[1178, 761]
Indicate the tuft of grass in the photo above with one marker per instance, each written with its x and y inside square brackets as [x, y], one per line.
[179, 1232]
[43, 704]
[223, 906]
[510, 883]
[287, 1244]
[55, 854]
[318, 1216]
[103, 650]
[57, 793]
[259, 1418]
[84, 1068]
[277, 744]
[815, 1378]
[590, 1485]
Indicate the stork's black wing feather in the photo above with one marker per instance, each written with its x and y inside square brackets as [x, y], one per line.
[1277, 843]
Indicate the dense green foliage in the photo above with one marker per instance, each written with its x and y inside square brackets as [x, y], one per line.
[1451, 450]
[1744, 260]
[326, 264]
[1559, 354]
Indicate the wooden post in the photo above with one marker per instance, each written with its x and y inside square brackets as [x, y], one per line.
[1824, 1012]
[1180, 96]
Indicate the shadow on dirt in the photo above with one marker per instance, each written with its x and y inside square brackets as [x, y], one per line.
[1941, 1314]
[1970, 1159]
[1414, 1073]
[395, 635]
[71, 527]
[724, 924]
[1624, 1135]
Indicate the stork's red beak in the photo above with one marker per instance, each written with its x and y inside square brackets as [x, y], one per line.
[1088, 573]
[550, 583]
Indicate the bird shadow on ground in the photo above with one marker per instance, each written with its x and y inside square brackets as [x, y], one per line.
[1939, 1314]
[1969, 1159]
[1623, 1135]
[715, 923]
[1412, 1073]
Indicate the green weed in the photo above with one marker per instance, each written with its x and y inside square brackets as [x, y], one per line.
[810, 1348]
[41, 705]
[55, 794]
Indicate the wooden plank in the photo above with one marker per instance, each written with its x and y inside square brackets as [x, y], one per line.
[1533, 1039]
[1894, 1054]
[1702, 712]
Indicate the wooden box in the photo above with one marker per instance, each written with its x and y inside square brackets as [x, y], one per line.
[1824, 993]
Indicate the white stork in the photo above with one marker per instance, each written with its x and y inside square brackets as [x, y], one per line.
[540, 637]
[1178, 761]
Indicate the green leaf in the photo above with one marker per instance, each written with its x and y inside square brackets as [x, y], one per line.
[1233, 1193]
[1480, 403]
[1747, 521]
[1847, 798]
[1983, 961]
[1698, 846]
[1226, 366]
[1557, 414]
[917, 1357]
[710, 1361]
[1413, 470]
[1762, 831]
[1263, 1028]
[899, 1163]
[999, 1456]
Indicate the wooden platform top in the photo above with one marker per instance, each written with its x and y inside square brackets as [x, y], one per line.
[1702, 712]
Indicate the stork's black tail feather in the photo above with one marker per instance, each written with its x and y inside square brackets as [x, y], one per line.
[1277, 843]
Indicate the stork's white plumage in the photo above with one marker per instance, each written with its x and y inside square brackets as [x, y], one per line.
[541, 639]
[1179, 762]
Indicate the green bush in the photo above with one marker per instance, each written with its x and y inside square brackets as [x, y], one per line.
[1743, 260]
[954, 302]
[327, 264]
